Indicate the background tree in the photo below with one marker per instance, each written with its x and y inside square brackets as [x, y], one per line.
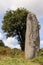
[14, 23]
[1, 43]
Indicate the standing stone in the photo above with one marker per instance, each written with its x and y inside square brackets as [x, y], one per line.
[32, 42]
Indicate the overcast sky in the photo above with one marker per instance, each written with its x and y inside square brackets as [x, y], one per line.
[35, 6]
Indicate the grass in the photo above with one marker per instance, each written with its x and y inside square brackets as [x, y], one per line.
[16, 57]
[15, 61]
[39, 57]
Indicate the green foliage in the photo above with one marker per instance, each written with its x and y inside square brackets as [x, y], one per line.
[14, 23]
[1, 43]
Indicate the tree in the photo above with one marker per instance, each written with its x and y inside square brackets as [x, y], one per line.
[14, 23]
[1, 43]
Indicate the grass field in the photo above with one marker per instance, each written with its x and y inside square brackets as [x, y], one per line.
[16, 57]
[16, 61]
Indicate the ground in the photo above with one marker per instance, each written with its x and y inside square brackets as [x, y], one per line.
[16, 57]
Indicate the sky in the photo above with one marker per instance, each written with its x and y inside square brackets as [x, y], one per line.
[35, 6]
